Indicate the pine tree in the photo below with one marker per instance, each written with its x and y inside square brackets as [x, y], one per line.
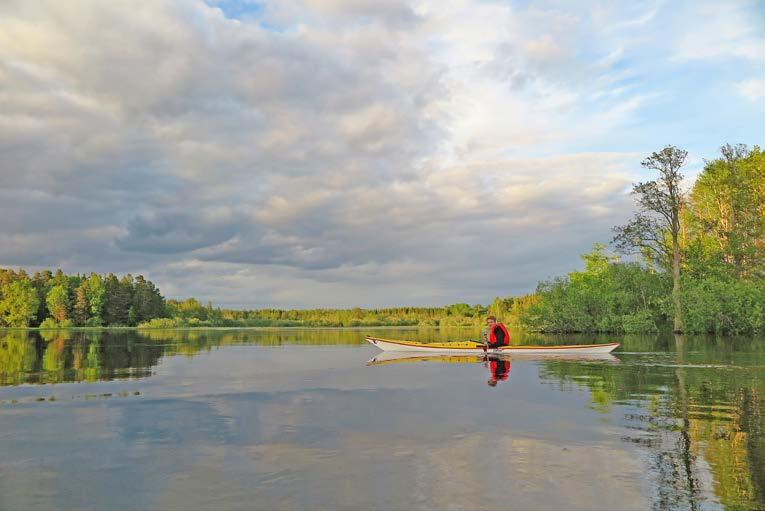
[40, 282]
[115, 305]
[147, 302]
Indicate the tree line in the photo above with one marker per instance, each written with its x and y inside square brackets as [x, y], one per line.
[192, 313]
[55, 300]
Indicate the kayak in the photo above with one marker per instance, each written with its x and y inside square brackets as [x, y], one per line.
[472, 347]
[398, 357]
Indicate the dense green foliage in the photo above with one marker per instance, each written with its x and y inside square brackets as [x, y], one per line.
[722, 260]
[608, 296]
[56, 300]
[18, 303]
[724, 306]
[726, 215]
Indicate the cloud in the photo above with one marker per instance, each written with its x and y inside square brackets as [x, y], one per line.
[753, 90]
[178, 231]
[328, 152]
[723, 30]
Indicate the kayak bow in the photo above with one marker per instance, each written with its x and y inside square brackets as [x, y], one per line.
[472, 347]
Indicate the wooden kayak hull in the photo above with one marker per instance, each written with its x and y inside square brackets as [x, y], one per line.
[472, 347]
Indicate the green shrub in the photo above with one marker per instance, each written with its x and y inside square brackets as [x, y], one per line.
[163, 323]
[639, 322]
[49, 323]
[607, 296]
[726, 307]
[94, 322]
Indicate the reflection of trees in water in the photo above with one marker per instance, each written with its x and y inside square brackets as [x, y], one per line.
[64, 356]
[17, 357]
[52, 356]
[192, 341]
[699, 422]
[690, 438]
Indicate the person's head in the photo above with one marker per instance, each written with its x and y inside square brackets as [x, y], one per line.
[491, 320]
[492, 382]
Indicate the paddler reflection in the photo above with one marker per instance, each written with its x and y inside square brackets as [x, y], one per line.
[499, 369]
[498, 365]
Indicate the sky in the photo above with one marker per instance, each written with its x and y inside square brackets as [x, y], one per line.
[337, 153]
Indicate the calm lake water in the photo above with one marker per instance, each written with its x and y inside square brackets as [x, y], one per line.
[301, 419]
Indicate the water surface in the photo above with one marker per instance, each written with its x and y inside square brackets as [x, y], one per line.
[297, 419]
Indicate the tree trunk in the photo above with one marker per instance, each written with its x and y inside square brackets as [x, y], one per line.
[676, 284]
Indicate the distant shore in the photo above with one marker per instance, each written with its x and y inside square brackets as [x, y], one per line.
[261, 327]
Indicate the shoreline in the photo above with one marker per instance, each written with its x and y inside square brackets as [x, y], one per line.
[131, 328]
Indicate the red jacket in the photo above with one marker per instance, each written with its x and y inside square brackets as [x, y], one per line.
[493, 335]
[499, 369]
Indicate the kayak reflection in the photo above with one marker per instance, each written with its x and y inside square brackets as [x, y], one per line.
[399, 357]
[498, 365]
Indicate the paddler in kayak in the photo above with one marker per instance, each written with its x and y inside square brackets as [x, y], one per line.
[499, 370]
[495, 335]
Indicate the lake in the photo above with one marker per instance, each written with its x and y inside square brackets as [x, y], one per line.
[305, 419]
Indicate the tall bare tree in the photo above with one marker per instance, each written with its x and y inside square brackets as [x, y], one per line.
[654, 231]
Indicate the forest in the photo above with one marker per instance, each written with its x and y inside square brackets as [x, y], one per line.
[690, 260]
[54, 300]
